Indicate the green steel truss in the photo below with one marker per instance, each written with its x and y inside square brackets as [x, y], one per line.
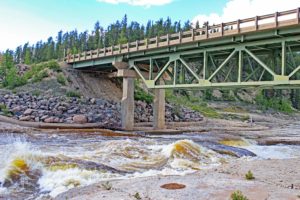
[263, 51]
[264, 63]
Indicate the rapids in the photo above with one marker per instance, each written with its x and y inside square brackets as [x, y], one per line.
[37, 165]
[33, 165]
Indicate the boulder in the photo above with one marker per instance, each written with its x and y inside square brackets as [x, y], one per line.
[80, 119]
[25, 118]
[49, 120]
[28, 111]
[16, 109]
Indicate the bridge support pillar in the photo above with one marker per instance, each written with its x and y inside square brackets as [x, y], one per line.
[127, 104]
[159, 109]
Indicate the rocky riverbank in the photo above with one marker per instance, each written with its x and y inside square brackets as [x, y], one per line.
[62, 109]
[280, 183]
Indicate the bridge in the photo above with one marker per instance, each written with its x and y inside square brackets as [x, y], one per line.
[254, 52]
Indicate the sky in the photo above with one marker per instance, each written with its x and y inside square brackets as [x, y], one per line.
[24, 21]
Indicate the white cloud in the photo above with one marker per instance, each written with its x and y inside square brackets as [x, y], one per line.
[146, 3]
[240, 9]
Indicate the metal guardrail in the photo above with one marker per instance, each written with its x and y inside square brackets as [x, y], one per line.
[258, 23]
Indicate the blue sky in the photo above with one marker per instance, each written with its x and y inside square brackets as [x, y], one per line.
[32, 20]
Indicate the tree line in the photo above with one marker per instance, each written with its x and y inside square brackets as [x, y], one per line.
[74, 42]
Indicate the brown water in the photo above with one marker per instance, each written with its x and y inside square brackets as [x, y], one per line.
[35, 165]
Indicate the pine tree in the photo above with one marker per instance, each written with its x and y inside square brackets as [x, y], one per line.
[97, 39]
[18, 54]
[197, 26]
[187, 26]
[59, 51]
[123, 39]
[27, 59]
[50, 49]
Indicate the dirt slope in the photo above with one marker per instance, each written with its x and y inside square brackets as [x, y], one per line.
[93, 84]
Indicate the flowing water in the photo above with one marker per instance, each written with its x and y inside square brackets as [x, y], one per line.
[35, 165]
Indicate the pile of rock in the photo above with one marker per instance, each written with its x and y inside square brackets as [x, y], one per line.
[144, 113]
[22, 68]
[50, 109]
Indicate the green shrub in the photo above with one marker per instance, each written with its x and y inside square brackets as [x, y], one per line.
[5, 111]
[13, 80]
[137, 196]
[249, 175]
[2, 106]
[275, 103]
[72, 93]
[40, 76]
[52, 64]
[141, 95]
[238, 195]
[36, 69]
[61, 79]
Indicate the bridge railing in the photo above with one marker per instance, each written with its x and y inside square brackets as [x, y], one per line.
[258, 23]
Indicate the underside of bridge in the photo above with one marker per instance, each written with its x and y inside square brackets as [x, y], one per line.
[264, 56]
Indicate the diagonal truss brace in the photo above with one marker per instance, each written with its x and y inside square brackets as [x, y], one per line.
[222, 65]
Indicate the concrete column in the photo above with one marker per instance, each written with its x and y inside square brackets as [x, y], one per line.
[159, 109]
[127, 108]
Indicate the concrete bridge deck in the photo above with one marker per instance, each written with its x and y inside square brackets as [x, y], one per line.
[251, 29]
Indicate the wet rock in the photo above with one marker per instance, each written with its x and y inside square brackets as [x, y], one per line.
[228, 150]
[80, 119]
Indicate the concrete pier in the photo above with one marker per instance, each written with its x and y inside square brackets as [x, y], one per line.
[127, 104]
[159, 109]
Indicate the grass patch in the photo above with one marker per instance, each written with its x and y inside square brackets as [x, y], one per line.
[238, 195]
[36, 93]
[234, 109]
[72, 93]
[249, 175]
[107, 185]
[61, 79]
[193, 103]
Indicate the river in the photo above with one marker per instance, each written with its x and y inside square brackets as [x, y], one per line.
[35, 165]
